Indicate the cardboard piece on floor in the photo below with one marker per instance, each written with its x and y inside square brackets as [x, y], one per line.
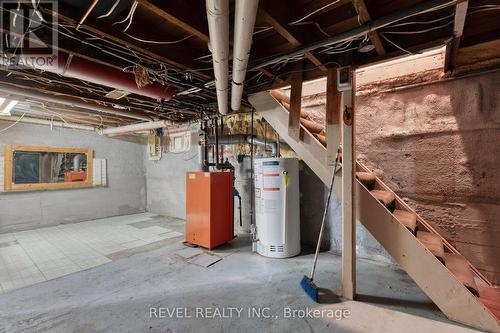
[189, 252]
[204, 260]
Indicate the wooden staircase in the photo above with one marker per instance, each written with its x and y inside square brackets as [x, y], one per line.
[461, 292]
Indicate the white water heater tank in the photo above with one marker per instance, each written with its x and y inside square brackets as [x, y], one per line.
[277, 211]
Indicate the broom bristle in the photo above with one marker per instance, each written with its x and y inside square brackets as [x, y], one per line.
[310, 288]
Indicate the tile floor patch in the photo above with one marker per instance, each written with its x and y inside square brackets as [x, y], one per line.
[189, 252]
[32, 256]
[204, 260]
[8, 243]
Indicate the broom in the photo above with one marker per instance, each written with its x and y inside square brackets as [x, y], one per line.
[307, 283]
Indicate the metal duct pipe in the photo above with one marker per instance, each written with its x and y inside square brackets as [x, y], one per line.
[141, 127]
[47, 122]
[422, 7]
[82, 69]
[244, 21]
[218, 28]
[243, 139]
[69, 102]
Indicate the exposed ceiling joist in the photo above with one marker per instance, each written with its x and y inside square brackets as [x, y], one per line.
[128, 45]
[285, 33]
[174, 20]
[364, 16]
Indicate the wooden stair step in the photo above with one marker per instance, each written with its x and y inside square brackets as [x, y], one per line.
[366, 178]
[433, 243]
[490, 297]
[407, 218]
[459, 266]
[387, 198]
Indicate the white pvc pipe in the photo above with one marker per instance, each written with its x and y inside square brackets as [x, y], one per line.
[47, 122]
[218, 28]
[244, 21]
[151, 125]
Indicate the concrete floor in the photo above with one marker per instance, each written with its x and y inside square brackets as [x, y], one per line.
[120, 296]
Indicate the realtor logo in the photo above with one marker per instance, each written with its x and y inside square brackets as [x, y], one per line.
[30, 33]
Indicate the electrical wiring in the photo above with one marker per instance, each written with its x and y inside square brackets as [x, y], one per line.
[111, 10]
[14, 124]
[300, 20]
[158, 42]
[131, 16]
[418, 31]
[316, 25]
[296, 71]
[421, 22]
[314, 12]
[262, 29]
[483, 8]
[132, 9]
[394, 44]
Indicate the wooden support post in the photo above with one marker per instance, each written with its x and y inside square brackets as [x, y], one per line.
[333, 112]
[295, 106]
[348, 218]
[458, 29]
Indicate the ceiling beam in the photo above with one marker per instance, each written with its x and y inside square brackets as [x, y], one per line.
[113, 39]
[458, 29]
[364, 16]
[285, 33]
[174, 20]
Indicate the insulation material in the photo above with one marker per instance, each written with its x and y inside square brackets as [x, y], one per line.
[99, 172]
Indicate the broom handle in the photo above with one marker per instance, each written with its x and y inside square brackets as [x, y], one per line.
[318, 245]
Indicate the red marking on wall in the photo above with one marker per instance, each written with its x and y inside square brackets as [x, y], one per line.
[271, 175]
[271, 188]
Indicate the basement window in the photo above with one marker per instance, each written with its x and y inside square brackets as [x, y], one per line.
[29, 168]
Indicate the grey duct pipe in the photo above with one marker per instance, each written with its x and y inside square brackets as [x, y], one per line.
[243, 139]
[362, 30]
[69, 102]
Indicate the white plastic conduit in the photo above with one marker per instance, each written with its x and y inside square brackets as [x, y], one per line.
[244, 21]
[140, 127]
[218, 28]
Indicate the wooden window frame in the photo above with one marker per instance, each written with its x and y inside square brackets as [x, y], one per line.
[9, 158]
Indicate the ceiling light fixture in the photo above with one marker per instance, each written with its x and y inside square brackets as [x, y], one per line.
[7, 106]
[365, 46]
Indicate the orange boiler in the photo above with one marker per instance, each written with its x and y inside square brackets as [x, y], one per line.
[209, 208]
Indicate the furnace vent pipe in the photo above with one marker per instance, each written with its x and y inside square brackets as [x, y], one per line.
[243, 139]
[218, 28]
[244, 21]
[141, 127]
[82, 69]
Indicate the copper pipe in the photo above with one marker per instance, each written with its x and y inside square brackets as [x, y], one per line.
[87, 13]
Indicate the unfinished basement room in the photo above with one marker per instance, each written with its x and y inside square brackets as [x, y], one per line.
[249, 166]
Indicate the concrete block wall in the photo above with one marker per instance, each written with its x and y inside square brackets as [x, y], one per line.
[166, 181]
[125, 193]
